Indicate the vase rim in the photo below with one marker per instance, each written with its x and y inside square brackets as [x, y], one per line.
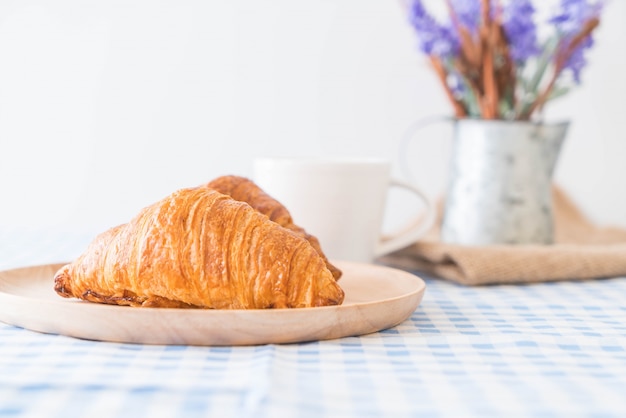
[556, 122]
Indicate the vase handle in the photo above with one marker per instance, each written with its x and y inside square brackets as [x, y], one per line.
[417, 126]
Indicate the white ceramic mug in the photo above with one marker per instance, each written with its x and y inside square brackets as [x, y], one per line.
[341, 201]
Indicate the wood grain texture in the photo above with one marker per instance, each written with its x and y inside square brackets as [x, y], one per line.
[376, 298]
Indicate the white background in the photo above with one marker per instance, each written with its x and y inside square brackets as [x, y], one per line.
[107, 106]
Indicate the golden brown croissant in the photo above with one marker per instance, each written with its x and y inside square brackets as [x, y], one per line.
[200, 248]
[245, 190]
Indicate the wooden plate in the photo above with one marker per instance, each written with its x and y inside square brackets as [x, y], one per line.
[377, 298]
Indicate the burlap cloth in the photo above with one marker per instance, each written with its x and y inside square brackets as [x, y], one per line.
[582, 250]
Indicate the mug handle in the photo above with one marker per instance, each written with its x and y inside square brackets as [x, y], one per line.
[419, 227]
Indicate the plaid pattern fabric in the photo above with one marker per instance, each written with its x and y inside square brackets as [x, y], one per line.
[543, 350]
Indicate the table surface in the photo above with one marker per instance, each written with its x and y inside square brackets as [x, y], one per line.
[553, 349]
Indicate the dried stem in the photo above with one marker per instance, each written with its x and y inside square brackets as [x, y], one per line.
[470, 50]
[488, 71]
[490, 99]
[459, 109]
[559, 64]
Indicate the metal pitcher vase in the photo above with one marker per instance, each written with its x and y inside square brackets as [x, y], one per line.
[500, 185]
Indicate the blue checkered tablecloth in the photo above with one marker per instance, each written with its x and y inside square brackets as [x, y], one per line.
[541, 350]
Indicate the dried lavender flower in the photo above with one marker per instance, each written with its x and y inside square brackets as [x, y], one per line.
[468, 13]
[521, 31]
[435, 39]
[483, 65]
[571, 18]
[574, 13]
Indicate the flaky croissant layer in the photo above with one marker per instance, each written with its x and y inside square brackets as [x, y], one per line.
[200, 248]
[245, 190]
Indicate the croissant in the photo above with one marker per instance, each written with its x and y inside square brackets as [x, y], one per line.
[199, 248]
[245, 190]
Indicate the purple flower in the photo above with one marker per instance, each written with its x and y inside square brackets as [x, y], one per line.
[435, 39]
[455, 82]
[520, 29]
[568, 22]
[468, 12]
[577, 61]
[574, 14]
[463, 47]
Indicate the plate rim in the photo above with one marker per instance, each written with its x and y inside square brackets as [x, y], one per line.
[415, 295]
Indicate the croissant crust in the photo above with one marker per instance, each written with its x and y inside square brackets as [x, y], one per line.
[245, 190]
[199, 248]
